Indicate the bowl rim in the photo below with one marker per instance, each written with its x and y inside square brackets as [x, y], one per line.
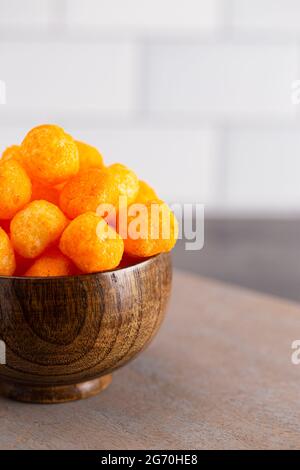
[144, 262]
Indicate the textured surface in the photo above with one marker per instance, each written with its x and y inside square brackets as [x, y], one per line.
[69, 330]
[218, 375]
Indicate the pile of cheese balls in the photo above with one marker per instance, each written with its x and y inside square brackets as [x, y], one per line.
[51, 187]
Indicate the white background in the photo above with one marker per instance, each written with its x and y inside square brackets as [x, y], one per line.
[195, 95]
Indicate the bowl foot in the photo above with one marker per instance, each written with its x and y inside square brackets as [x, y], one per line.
[32, 393]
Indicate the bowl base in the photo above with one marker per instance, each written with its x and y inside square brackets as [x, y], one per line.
[32, 393]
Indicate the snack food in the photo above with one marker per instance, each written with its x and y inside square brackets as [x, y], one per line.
[50, 155]
[48, 193]
[89, 156]
[146, 193]
[86, 191]
[15, 188]
[152, 229]
[36, 227]
[126, 181]
[7, 257]
[63, 212]
[12, 152]
[92, 244]
[51, 263]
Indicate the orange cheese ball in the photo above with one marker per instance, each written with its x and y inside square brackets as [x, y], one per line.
[51, 263]
[126, 180]
[15, 188]
[7, 256]
[47, 193]
[36, 227]
[59, 187]
[12, 152]
[86, 191]
[92, 244]
[151, 230]
[50, 155]
[146, 193]
[89, 157]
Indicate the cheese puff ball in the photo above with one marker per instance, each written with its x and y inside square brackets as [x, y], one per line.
[146, 193]
[86, 191]
[36, 227]
[7, 256]
[12, 152]
[59, 187]
[92, 244]
[89, 157]
[126, 180]
[152, 229]
[15, 188]
[47, 193]
[50, 155]
[51, 263]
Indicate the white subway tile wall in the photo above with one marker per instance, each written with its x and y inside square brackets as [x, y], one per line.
[143, 15]
[264, 169]
[195, 94]
[267, 15]
[222, 81]
[24, 13]
[69, 76]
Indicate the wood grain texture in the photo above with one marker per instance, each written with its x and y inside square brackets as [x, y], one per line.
[63, 332]
[218, 375]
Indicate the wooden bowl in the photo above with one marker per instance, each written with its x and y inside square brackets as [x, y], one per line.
[65, 335]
